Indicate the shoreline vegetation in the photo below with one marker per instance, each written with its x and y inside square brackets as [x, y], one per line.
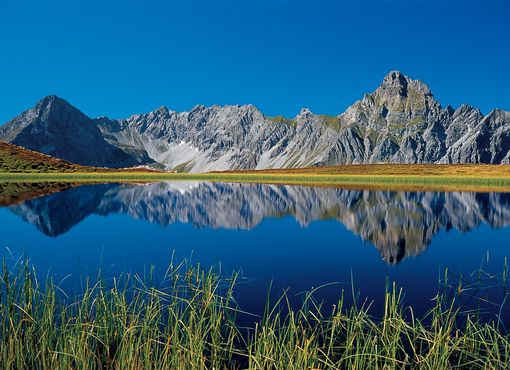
[417, 177]
[18, 164]
[189, 319]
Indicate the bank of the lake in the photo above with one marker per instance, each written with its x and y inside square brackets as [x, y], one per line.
[370, 176]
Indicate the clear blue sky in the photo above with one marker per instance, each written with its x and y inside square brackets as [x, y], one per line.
[118, 58]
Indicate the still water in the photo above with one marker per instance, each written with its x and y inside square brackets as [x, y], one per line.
[288, 236]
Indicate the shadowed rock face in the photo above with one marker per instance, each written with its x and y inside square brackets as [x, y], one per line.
[56, 128]
[400, 122]
[398, 224]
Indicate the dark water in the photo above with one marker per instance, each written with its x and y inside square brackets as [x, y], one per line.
[296, 237]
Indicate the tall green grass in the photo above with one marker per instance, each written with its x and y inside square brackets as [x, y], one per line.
[498, 183]
[188, 320]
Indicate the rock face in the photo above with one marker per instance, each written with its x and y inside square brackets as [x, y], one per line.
[400, 122]
[398, 224]
[56, 128]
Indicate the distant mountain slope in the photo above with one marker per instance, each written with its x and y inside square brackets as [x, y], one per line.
[400, 122]
[56, 128]
[17, 159]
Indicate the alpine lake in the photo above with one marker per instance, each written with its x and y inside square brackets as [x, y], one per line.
[334, 241]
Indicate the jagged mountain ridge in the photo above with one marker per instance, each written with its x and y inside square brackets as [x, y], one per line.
[56, 128]
[400, 122]
[398, 224]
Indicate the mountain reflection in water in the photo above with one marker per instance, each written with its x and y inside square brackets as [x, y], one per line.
[398, 224]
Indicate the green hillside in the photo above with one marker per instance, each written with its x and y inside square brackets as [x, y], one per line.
[14, 158]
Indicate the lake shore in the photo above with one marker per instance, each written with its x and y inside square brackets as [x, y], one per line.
[191, 318]
[480, 178]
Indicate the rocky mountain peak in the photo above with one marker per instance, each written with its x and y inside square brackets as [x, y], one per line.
[304, 112]
[305, 116]
[465, 108]
[401, 95]
[395, 83]
[198, 108]
[399, 122]
[56, 128]
[53, 102]
[162, 109]
[49, 99]
[160, 113]
[497, 118]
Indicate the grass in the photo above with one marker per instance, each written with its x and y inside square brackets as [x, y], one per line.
[181, 167]
[188, 320]
[21, 165]
[330, 121]
[17, 159]
[284, 120]
[376, 176]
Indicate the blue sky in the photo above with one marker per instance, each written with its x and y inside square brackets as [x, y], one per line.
[118, 58]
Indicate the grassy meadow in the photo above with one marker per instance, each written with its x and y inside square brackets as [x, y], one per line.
[390, 177]
[15, 159]
[21, 165]
[188, 319]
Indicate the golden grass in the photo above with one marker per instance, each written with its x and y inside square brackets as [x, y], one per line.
[449, 170]
[415, 177]
[20, 165]
[16, 159]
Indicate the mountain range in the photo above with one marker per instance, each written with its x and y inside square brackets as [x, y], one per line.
[400, 122]
[398, 224]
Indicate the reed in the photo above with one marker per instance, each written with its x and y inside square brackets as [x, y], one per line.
[189, 320]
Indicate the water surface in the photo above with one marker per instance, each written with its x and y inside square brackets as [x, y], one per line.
[293, 236]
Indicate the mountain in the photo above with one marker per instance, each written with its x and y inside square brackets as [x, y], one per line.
[400, 122]
[398, 224]
[56, 128]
